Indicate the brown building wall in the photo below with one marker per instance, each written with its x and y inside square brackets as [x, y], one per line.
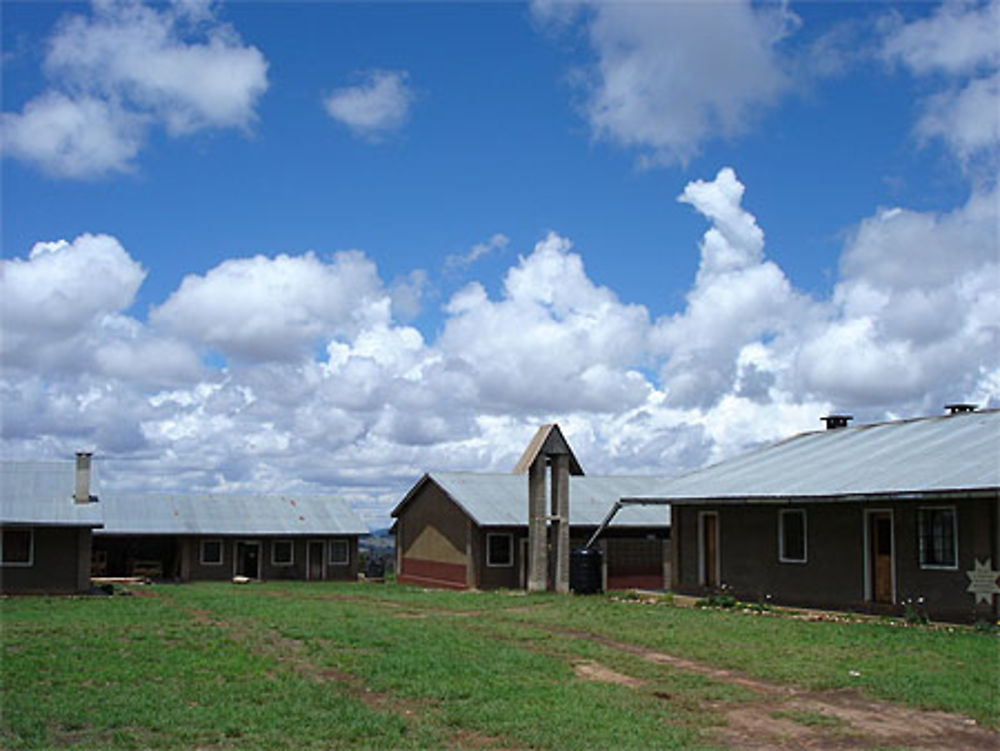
[61, 563]
[834, 574]
[432, 536]
[635, 560]
[180, 556]
[298, 569]
[500, 577]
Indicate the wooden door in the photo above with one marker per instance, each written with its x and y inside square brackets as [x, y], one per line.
[880, 552]
[315, 566]
[710, 549]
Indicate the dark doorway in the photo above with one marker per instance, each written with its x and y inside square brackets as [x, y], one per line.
[710, 549]
[154, 556]
[315, 565]
[248, 559]
[880, 555]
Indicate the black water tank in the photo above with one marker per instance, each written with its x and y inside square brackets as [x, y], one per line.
[585, 571]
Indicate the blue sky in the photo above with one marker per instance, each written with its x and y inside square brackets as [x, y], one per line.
[328, 246]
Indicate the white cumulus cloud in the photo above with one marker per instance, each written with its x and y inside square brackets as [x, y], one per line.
[125, 67]
[737, 299]
[277, 308]
[555, 338]
[325, 388]
[73, 137]
[958, 45]
[669, 77]
[379, 104]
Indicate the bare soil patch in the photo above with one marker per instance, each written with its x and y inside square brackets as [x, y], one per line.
[855, 722]
[590, 670]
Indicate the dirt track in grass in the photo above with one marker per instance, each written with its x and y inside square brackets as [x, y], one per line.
[788, 718]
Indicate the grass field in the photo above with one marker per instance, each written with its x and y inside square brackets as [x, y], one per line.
[309, 665]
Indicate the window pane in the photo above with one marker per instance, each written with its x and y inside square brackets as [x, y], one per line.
[282, 551]
[793, 526]
[211, 551]
[937, 537]
[338, 552]
[499, 550]
[16, 545]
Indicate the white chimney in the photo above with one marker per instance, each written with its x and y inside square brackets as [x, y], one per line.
[82, 494]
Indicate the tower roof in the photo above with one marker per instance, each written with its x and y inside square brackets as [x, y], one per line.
[550, 441]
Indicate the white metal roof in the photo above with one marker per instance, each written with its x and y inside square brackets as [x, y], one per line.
[41, 493]
[502, 499]
[918, 457]
[224, 514]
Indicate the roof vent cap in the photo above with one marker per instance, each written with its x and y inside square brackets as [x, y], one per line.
[836, 421]
[957, 409]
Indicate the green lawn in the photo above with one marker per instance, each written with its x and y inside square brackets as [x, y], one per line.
[309, 665]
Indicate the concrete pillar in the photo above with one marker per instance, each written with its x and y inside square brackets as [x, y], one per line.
[471, 559]
[187, 549]
[560, 522]
[538, 563]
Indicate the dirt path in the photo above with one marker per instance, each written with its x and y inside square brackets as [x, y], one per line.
[291, 653]
[788, 718]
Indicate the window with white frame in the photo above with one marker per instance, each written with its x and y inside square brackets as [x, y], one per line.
[938, 536]
[17, 547]
[210, 553]
[340, 553]
[499, 549]
[792, 536]
[281, 553]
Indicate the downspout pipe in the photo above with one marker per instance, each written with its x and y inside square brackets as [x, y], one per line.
[604, 525]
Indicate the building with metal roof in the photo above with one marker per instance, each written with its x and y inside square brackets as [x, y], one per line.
[47, 514]
[501, 500]
[874, 517]
[187, 536]
[471, 530]
[57, 533]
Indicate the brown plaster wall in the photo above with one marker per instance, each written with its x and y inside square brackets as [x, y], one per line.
[635, 561]
[61, 563]
[269, 570]
[498, 577]
[834, 574]
[433, 534]
[183, 556]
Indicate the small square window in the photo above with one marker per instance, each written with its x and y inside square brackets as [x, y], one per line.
[210, 553]
[340, 554]
[281, 553]
[18, 547]
[792, 536]
[938, 537]
[499, 549]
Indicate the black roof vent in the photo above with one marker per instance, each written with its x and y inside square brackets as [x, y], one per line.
[836, 421]
[956, 409]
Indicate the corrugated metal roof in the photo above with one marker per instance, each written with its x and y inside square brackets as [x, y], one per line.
[907, 457]
[502, 499]
[41, 493]
[224, 514]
